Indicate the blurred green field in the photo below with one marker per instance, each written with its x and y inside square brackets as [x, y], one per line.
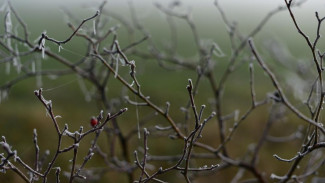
[21, 112]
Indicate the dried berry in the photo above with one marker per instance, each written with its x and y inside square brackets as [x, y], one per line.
[93, 122]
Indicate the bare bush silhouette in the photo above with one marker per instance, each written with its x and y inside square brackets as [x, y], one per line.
[105, 60]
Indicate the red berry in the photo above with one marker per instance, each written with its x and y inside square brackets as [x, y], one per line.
[93, 122]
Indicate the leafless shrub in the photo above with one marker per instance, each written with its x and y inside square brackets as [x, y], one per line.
[102, 62]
